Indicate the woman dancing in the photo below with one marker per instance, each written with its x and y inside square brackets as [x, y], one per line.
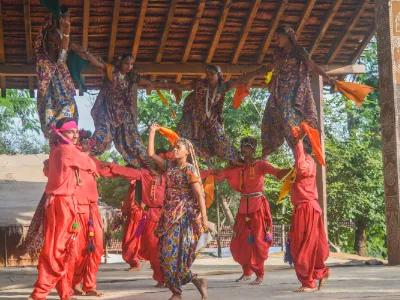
[183, 217]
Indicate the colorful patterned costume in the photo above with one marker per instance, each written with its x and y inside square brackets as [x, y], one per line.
[179, 227]
[291, 101]
[114, 120]
[206, 133]
[56, 90]
[250, 244]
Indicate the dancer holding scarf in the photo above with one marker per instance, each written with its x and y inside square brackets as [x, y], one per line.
[252, 236]
[58, 254]
[201, 121]
[291, 101]
[56, 90]
[183, 217]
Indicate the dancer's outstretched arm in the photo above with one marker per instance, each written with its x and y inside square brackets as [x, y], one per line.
[159, 161]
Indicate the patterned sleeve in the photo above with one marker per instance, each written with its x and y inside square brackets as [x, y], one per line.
[136, 78]
[191, 174]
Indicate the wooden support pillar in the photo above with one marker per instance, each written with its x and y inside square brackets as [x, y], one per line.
[317, 85]
[387, 13]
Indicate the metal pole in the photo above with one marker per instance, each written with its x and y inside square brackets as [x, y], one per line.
[218, 226]
[283, 228]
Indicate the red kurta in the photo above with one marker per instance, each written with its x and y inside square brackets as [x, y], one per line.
[89, 220]
[57, 257]
[309, 244]
[152, 202]
[249, 247]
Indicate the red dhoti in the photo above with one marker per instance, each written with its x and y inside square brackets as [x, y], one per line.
[249, 247]
[57, 257]
[149, 249]
[87, 263]
[130, 242]
[308, 244]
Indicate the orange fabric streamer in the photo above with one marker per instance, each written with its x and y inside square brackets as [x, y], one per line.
[313, 135]
[169, 134]
[241, 92]
[355, 92]
[165, 101]
[209, 190]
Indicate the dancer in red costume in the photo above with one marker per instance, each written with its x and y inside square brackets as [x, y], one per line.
[141, 225]
[253, 226]
[58, 254]
[308, 241]
[90, 238]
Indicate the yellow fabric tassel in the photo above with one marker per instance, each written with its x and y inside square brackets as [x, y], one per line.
[109, 68]
[268, 76]
[287, 183]
[165, 101]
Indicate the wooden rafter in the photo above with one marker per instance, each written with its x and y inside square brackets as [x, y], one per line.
[2, 54]
[166, 30]
[170, 69]
[219, 30]
[246, 30]
[270, 33]
[325, 25]
[164, 36]
[347, 31]
[370, 34]
[28, 42]
[304, 16]
[114, 27]
[139, 28]
[192, 35]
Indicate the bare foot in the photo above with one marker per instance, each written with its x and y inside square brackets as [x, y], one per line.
[304, 289]
[324, 279]
[94, 293]
[175, 297]
[133, 269]
[244, 277]
[78, 291]
[201, 285]
[258, 281]
[31, 297]
[160, 285]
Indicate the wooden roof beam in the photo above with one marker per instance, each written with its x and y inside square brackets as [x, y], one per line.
[171, 69]
[164, 37]
[114, 27]
[325, 25]
[270, 33]
[139, 28]
[28, 42]
[370, 34]
[347, 31]
[219, 30]
[192, 35]
[304, 16]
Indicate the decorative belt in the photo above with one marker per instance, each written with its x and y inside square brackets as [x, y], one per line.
[252, 195]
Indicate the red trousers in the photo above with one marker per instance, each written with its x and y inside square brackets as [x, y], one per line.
[251, 256]
[57, 257]
[87, 263]
[148, 250]
[131, 243]
[308, 244]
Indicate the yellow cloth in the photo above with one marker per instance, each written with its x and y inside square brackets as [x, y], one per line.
[355, 92]
[287, 184]
[268, 77]
[165, 101]
[171, 135]
[209, 190]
